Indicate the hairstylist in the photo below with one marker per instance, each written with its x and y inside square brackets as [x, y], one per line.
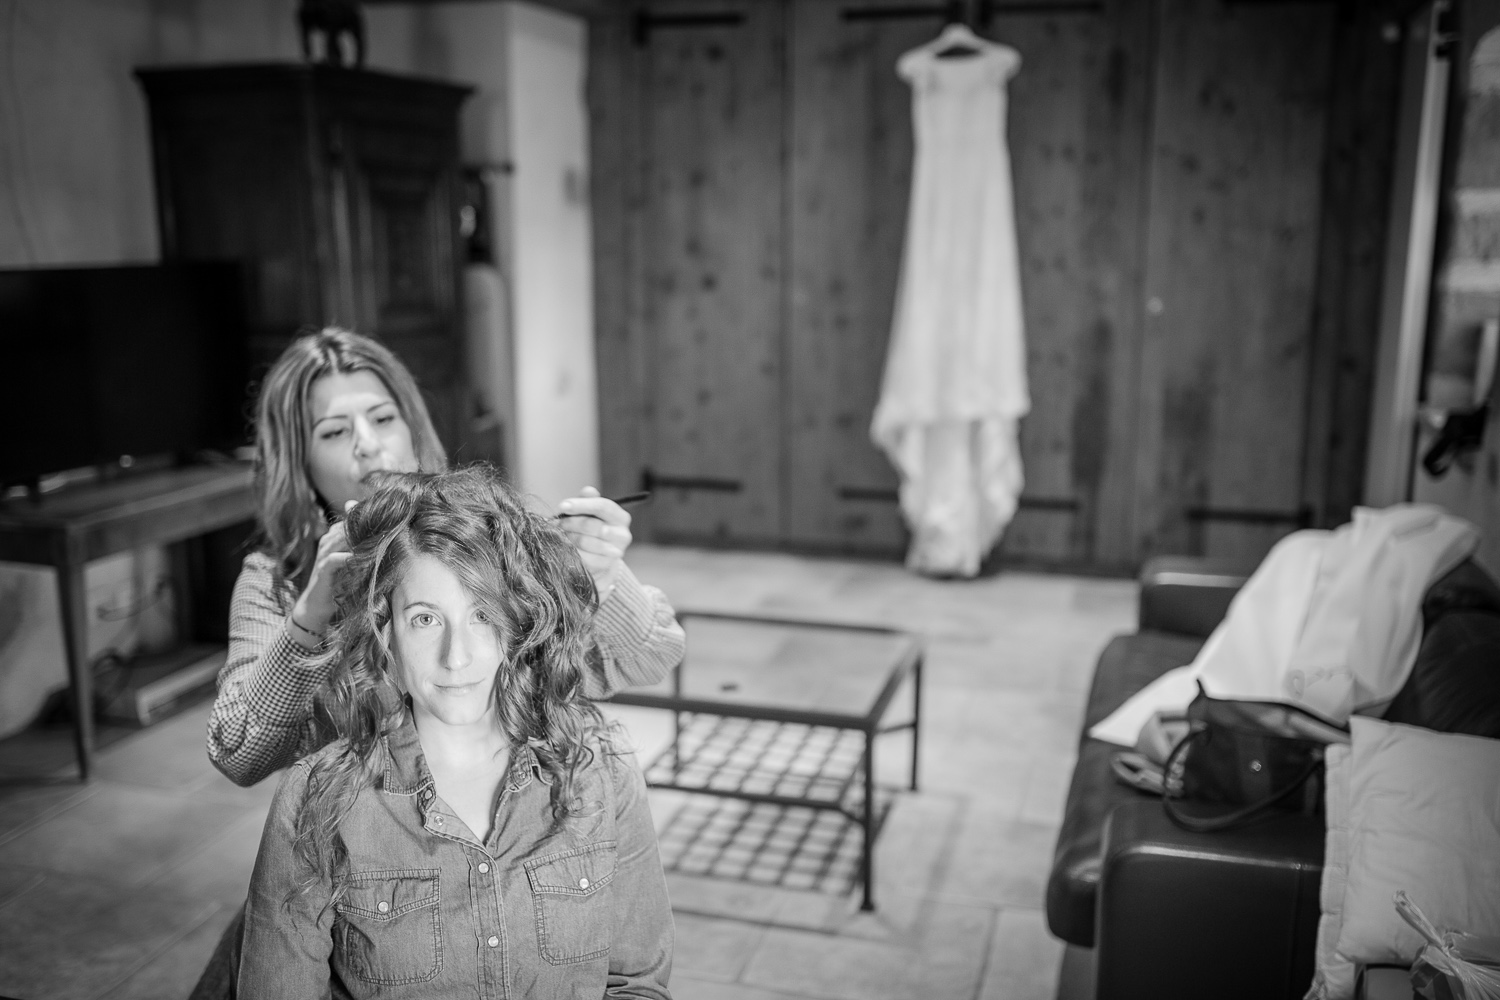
[335, 408]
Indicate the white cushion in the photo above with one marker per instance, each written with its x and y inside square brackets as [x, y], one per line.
[1409, 809]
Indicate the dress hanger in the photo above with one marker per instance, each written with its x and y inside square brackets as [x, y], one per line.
[958, 42]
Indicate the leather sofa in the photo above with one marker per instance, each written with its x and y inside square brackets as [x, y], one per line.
[1173, 914]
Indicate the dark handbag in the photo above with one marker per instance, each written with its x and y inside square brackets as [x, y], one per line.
[1255, 755]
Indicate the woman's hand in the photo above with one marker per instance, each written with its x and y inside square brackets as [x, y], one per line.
[315, 607]
[600, 530]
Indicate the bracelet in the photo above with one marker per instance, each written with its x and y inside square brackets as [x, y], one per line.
[317, 636]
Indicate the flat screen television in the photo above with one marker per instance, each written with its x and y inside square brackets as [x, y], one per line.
[102, 362]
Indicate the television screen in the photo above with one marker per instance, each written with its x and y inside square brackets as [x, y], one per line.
[100, 362]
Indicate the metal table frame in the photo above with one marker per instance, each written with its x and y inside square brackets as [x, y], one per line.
[869, 816]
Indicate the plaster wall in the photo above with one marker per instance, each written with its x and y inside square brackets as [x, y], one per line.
[75, 156]
[558, 446]
[532, 323]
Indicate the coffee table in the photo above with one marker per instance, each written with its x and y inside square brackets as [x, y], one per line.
[786, 711]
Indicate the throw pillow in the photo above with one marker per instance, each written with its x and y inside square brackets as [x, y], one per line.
[1409, 809]
[1333, 978]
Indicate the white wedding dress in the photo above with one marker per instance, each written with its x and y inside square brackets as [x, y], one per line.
[955, 373]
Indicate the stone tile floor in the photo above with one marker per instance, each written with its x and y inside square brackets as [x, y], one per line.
[120, 888]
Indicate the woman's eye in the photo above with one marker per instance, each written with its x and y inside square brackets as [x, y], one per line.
[385, 418]
[331, 434]
[423, 620]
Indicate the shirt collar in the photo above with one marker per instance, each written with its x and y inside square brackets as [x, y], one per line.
[406, 770]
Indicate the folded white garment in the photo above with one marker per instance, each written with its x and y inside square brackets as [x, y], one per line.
[1329, 622]
[1176, 687]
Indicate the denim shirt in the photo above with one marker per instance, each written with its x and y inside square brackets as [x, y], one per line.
[422, 908]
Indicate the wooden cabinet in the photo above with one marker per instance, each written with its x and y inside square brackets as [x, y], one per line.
[1199, 187]
[338, 188]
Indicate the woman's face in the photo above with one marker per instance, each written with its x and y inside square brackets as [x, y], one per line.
[357, 429]
[446, 653]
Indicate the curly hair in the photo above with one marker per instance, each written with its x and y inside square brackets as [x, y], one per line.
[529, 582]
[290, 514]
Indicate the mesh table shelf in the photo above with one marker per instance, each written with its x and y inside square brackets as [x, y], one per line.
[787, 712]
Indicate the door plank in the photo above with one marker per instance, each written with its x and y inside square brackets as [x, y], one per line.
[851, 161]
[622, 341]
[712, 116]
[1077, 137]
[1239, 133]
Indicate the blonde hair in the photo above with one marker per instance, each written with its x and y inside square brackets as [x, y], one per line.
[290, 514]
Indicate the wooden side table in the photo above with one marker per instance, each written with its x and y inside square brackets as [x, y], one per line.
[75, 526]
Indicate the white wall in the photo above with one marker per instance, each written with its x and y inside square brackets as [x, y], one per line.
[551, 238]
[466, 43]
[75, 155]
[527, 64]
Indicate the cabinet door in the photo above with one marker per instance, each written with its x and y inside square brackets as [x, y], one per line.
[1236, 186]
[709, 265]
[395, 206]
[231, 183]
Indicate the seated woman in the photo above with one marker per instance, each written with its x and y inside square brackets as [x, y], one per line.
[473, 828]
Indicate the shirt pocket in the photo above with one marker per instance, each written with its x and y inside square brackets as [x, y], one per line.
[386, 927]
[574, 906]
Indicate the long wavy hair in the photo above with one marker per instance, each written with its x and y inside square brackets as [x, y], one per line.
[290, 514]
[531, 585]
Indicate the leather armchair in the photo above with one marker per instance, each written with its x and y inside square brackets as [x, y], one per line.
[1231, 914]
[1173, 914]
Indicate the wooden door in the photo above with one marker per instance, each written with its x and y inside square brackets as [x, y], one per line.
[1076, 136]
[850, 173]
[1235, 197]
[1168, 162]
[709, 265]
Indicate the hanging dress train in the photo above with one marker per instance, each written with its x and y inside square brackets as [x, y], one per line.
[955, 375]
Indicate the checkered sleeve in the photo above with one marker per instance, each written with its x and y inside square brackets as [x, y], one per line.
[638, 638]
[259, 721]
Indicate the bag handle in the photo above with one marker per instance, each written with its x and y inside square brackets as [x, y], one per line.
[1213, 824]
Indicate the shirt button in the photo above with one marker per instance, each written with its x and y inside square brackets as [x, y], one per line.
[484, 868]
[583, 883]
[383, 906]
[493, 942]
